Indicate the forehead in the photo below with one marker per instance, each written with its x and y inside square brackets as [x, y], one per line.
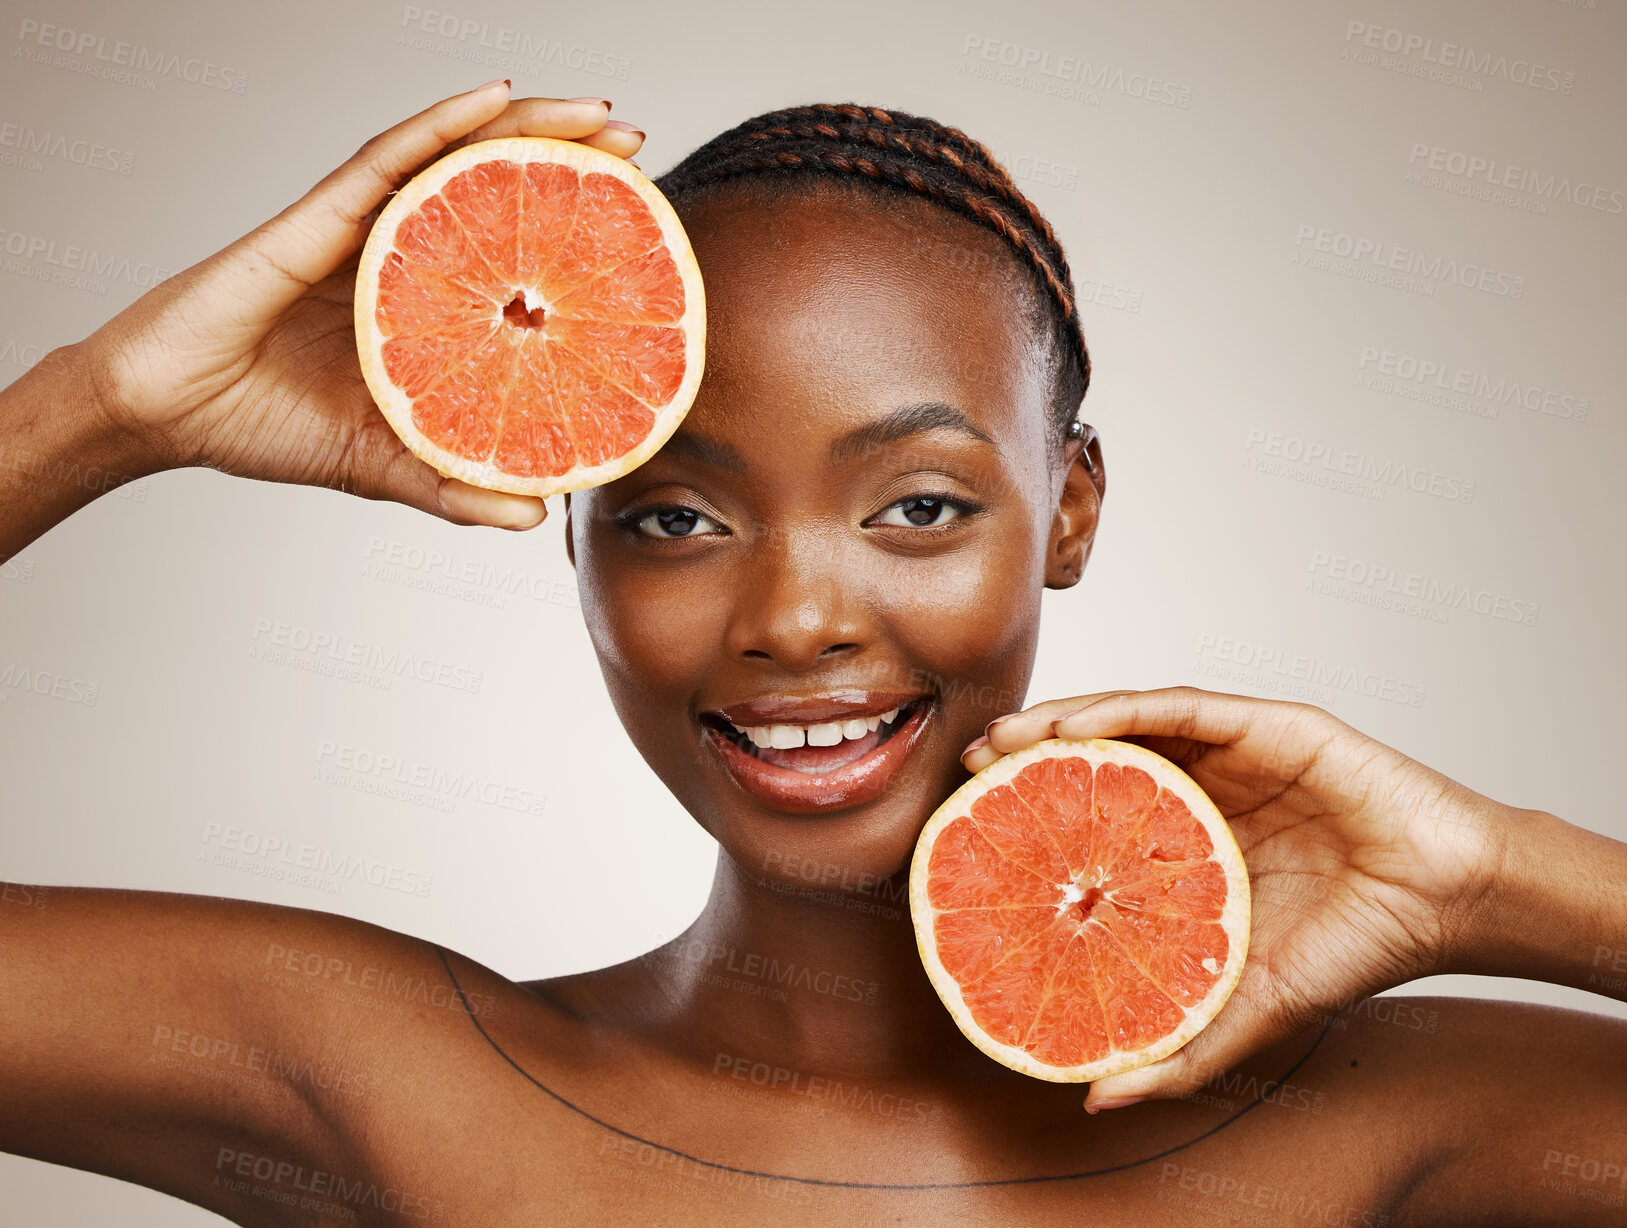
[826, 308]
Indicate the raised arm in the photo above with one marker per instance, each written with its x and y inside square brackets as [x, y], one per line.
[246, 362]
[164, 1038]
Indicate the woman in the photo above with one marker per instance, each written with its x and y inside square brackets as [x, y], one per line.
[879, 477]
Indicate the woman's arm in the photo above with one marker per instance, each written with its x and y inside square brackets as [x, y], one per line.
[159, 1038]
[1367, 868]
[246, 362]
[1557, 910]
[163, 1038]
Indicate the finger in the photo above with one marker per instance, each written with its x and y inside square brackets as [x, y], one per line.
[1281, 739]
[1252, 1020]
[566, 119]
[379, 466]
[309, 239]
[616, 137]
[1019, 730]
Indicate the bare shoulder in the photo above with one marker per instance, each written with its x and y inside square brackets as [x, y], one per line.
[1493, 1108]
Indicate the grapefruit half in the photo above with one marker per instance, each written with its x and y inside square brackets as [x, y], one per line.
[1081, 908]
[530, 317]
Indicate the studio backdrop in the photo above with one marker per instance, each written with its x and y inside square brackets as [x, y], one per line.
[1351, 275]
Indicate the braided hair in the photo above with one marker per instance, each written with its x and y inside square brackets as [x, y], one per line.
[893, 151]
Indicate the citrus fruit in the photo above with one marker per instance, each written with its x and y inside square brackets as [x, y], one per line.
[530, 316]
[1081, 908]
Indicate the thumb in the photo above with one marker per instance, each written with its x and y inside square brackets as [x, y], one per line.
[1252, 1019]
[377, 465]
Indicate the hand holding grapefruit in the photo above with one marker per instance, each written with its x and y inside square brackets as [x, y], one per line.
[1365, 866]
[247, 361]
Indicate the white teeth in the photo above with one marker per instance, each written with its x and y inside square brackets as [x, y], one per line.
[824, 735]
[831, 733]
[786, 737]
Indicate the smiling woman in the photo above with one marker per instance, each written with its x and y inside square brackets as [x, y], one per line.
[814, 609]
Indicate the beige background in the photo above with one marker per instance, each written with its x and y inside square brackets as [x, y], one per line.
[1224, 349]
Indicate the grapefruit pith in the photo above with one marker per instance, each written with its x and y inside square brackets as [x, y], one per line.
[1081, 908]
[530, 317]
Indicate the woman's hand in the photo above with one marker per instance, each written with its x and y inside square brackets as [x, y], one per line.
[246, 362]
[1365, 866]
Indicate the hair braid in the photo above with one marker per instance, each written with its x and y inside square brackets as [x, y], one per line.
[911, 154]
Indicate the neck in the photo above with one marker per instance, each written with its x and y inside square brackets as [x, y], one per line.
[821, 982]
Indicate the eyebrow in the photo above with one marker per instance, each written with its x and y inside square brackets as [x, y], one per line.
[688, 445]
[903, 422]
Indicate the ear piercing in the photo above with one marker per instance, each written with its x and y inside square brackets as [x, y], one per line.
[1076, 430]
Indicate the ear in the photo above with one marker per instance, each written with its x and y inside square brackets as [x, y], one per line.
[570, 538]
[1079, 509]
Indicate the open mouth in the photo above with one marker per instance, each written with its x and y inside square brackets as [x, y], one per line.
[816, 748]
[845, 756]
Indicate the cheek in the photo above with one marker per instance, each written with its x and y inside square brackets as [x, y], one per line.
[654, 628]
[972, 617]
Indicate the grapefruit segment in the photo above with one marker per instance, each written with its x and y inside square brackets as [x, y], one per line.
[530, 317]
[1081, 908]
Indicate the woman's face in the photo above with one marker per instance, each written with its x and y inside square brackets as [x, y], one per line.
[855, 520]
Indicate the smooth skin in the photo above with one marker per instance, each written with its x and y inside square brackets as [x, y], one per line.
[272, 1063]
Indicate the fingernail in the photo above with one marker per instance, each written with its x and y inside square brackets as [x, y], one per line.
[621, 125]
[1116, 1102]
[503, 81]
[990, 726]
[983, 741]
[603, 102]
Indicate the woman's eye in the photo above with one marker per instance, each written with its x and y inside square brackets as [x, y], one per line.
[921, 513]
[675, 522]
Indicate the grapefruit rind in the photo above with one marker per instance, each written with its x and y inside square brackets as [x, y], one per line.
[397, 406]
[1234, 917]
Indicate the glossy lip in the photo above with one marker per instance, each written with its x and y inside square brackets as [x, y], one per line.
[813, 709]
[852, 784]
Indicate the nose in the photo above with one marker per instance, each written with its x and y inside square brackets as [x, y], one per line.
[799, 606]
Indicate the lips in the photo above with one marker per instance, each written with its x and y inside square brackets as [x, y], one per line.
[795, 773]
